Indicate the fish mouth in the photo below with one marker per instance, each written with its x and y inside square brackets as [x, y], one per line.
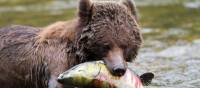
[60, 78]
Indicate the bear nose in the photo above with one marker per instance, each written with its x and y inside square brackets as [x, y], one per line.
[119, 71]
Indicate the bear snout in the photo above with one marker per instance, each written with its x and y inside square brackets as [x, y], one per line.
[115, 62]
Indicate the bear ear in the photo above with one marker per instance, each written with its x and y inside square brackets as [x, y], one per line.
[85, 9]
[130, 4]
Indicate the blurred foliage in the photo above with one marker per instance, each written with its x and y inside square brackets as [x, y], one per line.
[21, 2]
[169, 16]
[151, 16]
[34, 18]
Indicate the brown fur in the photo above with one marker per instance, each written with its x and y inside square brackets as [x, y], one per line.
[61, 29]
[33, 58]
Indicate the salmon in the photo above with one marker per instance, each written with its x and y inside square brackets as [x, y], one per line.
[96, 75]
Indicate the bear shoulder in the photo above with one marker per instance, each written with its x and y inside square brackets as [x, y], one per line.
[57, 30]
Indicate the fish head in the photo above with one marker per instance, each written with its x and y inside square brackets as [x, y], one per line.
[79, 75]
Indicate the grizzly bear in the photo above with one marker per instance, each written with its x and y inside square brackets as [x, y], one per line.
[105, 30]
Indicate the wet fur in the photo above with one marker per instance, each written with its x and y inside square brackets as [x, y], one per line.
[33, 57]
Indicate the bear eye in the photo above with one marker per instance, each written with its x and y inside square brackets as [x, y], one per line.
[99, 50]
[129, 58]
[106, 47]
[124, 47]
[128, 54]
[103, 49]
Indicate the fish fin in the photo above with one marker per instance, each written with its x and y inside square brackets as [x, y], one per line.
[146, 78]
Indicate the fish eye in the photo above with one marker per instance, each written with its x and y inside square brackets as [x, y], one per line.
[80, 70]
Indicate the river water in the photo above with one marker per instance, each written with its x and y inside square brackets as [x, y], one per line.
[174, 66]
[171, 30]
